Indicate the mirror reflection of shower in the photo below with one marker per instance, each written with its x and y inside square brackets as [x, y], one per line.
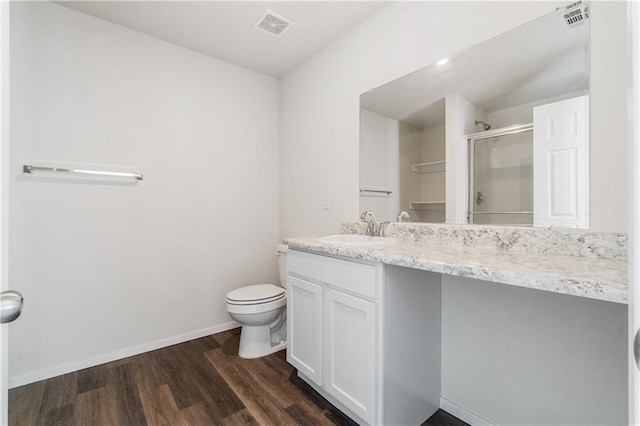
[501, 175]
[485, 125]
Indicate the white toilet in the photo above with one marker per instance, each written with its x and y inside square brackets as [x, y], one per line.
[261, 310]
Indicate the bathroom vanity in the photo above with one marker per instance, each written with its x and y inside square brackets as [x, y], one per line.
[365, 338]
[365, 324]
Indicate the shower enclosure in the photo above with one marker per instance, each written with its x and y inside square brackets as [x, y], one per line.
[501, 176]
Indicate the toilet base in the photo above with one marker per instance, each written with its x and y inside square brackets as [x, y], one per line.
[255, 342]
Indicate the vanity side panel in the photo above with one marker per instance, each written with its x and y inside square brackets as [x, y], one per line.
[513, 355]
[412, 345]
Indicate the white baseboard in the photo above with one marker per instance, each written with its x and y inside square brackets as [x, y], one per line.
[463, 414]
[113, 356]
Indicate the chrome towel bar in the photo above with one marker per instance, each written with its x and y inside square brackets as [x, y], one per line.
[524, 212]
[378, 191]
[27, 168]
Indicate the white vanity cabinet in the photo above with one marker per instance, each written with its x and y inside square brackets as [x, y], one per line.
[342, 346]
[333, 325]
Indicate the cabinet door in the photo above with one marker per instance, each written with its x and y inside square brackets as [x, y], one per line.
[304, 327]
[350, 350]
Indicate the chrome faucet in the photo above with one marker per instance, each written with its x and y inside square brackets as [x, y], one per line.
[373, 227]
[403, 215]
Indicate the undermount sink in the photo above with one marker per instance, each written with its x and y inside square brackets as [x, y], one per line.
[356, 240]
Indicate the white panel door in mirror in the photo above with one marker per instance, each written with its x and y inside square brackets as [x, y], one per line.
[561, 163]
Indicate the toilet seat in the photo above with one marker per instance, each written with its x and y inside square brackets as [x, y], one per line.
[257, 308]
[255, 294]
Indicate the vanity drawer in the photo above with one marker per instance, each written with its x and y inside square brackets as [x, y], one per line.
[354, 277]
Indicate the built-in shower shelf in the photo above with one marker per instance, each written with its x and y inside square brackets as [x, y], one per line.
[432, 167]
[427, 205]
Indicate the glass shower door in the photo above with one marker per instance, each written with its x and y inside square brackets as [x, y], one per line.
[501, 186]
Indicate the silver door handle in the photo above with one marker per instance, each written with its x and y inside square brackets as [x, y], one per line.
[636, 348]
[10, 305]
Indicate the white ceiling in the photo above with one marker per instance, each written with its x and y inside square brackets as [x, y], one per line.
[224, 29]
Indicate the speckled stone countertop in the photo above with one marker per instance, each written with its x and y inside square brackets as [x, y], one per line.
[595, 268]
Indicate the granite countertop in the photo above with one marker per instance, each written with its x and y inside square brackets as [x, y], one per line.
[592, 277]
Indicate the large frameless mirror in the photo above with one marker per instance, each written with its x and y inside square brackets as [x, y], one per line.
[509, 115]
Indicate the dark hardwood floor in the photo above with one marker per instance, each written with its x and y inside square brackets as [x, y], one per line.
[200, 382]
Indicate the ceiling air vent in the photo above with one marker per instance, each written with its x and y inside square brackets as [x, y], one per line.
[575, 14]
[273, 24]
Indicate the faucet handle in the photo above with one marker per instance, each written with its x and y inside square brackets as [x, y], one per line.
[372, 225]
[366, 213]
[403, 215]
[382, 226]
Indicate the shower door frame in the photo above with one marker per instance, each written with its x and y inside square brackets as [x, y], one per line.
[471, 144]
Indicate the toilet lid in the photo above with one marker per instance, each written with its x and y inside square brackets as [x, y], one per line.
[260, 293]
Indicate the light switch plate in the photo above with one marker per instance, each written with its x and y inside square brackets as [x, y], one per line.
[325, 202]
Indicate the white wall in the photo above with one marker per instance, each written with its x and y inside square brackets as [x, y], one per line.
[461, 117]
[379, 152]
[110, 269]
[523, 114]
[610, 73]
[319, 102]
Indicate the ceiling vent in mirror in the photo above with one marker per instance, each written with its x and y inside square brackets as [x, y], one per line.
[273, 24]
[574, 15]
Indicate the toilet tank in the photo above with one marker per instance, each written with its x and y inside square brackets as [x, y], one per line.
[281, 252]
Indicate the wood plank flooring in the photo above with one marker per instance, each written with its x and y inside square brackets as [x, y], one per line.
[200, 382]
